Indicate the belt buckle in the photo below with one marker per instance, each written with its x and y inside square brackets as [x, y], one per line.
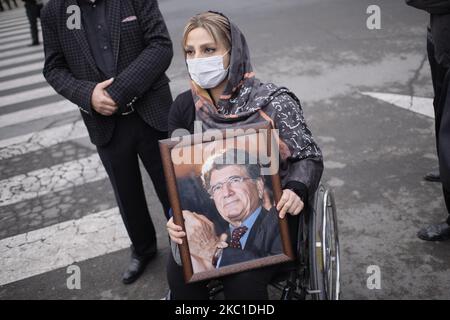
[128, 112]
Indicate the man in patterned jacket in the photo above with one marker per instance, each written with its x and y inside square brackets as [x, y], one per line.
[109, 58]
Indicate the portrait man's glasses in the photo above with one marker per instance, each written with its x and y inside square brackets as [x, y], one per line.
[232, 181]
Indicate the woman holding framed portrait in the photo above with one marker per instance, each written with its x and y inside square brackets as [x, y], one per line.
[225, 94]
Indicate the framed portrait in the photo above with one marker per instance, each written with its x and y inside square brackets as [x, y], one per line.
[223, 188]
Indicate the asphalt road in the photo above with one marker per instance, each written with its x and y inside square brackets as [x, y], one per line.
[375, 152]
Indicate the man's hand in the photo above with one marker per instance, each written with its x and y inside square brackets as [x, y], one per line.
[289, 202]
[201, 235]
[101, 101]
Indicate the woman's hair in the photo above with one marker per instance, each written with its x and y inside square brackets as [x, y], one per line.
[216, 24]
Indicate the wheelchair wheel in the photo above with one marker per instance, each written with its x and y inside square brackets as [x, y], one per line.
[324, 267]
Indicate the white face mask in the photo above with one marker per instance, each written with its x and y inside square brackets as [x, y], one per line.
[207, 72]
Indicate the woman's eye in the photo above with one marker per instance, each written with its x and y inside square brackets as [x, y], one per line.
[210, 50]
[188, 52]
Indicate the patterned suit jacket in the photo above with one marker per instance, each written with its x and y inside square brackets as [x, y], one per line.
[142, 49]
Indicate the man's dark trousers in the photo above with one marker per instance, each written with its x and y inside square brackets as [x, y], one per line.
[133, 137]
[440, 77]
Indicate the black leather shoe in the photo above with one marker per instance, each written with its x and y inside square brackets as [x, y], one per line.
[136, 268]
[432, 177]
[435, 232]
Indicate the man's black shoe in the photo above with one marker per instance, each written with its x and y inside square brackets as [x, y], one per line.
[136, 268]
[432, 177]
[435, 232]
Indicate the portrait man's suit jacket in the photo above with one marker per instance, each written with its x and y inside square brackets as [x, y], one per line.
[264, 240]
[142, 50]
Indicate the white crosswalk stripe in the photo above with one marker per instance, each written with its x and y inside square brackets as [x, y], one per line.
[28, 57]
[11, 17]
[18, 22]
[26, 96]
[40, 182]
[17, 83]
[16, 44]
[36, 66]
[4, 34]
[15, 28]
[60, 245]
[36, 113]
[8, 16]
[13, 20]
[30, 142]
[7, 22]
[15, 52]
[14, 38]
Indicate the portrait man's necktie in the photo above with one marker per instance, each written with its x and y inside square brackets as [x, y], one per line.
[236, 236]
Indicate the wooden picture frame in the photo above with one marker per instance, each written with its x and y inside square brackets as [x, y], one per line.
[188, 196]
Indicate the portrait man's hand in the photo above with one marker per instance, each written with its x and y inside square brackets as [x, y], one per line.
[203, 242]
[101, 101]
[201, 235]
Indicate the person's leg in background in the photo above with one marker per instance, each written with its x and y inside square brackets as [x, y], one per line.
[8, 4]
[120, 159]
[32, 14]
[39, 7]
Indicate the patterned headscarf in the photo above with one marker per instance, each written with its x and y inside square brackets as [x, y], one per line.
[245, 99]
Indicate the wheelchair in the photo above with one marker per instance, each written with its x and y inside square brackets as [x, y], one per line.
[315, 274]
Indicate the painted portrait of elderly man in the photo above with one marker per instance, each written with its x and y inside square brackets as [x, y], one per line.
[224, 189]
[240, 222]
[229, 212]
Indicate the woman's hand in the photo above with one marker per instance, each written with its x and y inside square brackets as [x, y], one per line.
[289, 202]
[176, 233]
